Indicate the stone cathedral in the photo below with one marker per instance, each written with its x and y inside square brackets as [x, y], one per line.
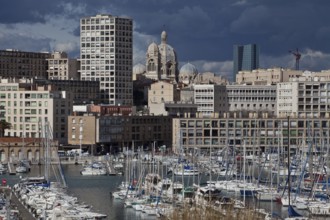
[161, 61]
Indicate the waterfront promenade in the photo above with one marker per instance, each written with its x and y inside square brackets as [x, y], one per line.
[23, 212]
[15, 204]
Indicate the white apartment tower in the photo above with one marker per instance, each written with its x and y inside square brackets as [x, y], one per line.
[106, 44]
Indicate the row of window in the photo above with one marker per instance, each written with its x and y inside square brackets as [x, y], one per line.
[22, 104]
[254, 123]
[101, 21]
[25, 95]
[30, 55]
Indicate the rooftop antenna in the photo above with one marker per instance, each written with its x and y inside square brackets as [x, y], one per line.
[297, 56]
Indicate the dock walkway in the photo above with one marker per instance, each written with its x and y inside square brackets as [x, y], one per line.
[23, 212]
[15, 204]
[111, 169]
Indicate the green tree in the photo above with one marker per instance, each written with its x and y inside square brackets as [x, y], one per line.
[3, 126]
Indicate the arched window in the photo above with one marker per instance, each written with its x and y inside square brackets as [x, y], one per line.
[151, 65]
[169, 69]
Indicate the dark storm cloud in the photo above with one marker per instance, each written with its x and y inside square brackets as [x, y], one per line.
[30, 11]
[23, 43]
[200, 31]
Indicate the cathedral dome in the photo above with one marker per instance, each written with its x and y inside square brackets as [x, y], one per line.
[189, 70]
[139, 69]
[167, 52]
[153, 48]
[187, 73]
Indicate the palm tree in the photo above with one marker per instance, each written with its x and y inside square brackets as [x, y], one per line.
[3, 126]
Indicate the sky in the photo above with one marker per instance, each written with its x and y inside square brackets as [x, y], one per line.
[201, 32]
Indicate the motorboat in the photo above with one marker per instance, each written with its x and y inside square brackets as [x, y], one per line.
[186, 170]
[21, 169]
[92, 171]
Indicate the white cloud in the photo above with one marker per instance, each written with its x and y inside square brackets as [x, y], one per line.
[312, 60]
[223, 68]
[57, 31]
[141, 42]
[67, 46]
[315, 60]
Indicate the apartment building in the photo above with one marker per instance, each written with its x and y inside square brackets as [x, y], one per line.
[305, 97]
[161, 92]
[83, 92]
[28, 110]
[20, 64]
[210, 99]
[60, 67]
[113, 133]
[106, 47]
[256, 133]
[252, 98]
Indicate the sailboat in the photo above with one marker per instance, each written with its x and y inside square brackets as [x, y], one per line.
[21, 168]
[291, 211]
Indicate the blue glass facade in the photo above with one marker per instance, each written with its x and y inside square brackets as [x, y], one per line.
[246, 57]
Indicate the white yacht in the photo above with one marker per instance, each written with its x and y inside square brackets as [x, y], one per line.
[92, 171]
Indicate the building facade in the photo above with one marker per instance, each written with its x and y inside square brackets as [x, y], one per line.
[106, 44]
[163, 91]
[304, 97]
[83, 92]
[61, 67]
[267, 76]
[210, 99]
[20, 64]
[245, 57]
[13, 149]
[113, 133]
[252, 98]
[28, 111]
[82, 131]
[257, 134]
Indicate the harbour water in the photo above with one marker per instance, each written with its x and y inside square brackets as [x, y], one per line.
[95, 191]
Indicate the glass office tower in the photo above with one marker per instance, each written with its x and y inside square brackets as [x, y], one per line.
[246, 57]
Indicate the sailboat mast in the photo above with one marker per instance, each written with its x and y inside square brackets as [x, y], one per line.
[289, 172]
[278, 157]
[244, 161]
[209, 187]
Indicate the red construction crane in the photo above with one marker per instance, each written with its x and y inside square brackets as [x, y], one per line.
[297, 56]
